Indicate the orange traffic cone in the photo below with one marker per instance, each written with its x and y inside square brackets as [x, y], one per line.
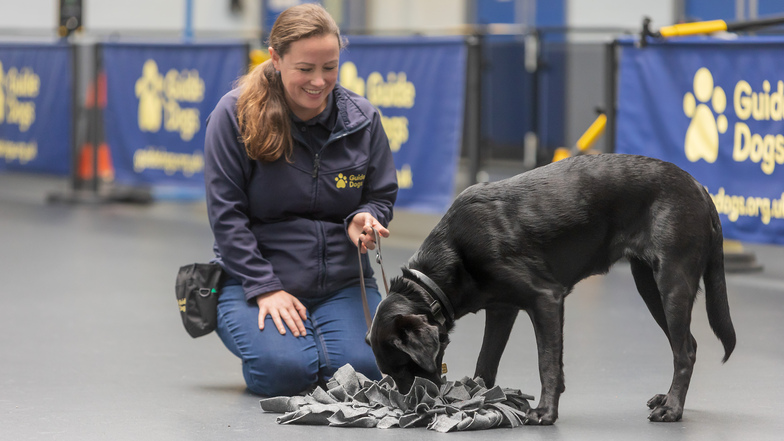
[105, 168]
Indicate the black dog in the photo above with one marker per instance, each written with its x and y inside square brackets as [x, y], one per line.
[524, 242]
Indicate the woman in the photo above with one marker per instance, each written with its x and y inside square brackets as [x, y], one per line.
[297, 170]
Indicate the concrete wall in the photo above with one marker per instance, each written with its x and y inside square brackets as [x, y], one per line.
[40, 15]
[136, 17]
[214, 16]
[425, 16]
[619, 13]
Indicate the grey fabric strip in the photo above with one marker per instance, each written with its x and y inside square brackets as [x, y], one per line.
[352, 400]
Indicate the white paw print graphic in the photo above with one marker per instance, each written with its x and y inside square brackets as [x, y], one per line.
[702, 136]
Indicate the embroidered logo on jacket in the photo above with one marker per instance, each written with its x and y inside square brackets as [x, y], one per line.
[341, 181]
[350, 181]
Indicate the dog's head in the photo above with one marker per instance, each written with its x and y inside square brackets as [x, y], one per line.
[405, 341]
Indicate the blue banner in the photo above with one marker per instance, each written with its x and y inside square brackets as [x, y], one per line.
[716, 109]
[271, 9]
[418, 84]
[36, 113]
[158, 98]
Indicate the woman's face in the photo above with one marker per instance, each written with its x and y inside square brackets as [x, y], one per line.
[309, 71]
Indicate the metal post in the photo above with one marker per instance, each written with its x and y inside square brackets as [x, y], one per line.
[95, 117]
[740, 10]
[76, 72]
[187, 33]
[531, 140]
[611, 76]
[78, 191]
[472, 132]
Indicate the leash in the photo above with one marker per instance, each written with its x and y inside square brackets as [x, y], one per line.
[377, 238]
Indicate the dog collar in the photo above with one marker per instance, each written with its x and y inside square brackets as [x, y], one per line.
[438, 302]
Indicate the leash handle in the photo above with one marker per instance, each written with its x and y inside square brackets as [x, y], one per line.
[379, 260]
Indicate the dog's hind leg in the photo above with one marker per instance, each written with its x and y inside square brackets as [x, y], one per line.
[649, 291]
[678, 293]
[498, 325]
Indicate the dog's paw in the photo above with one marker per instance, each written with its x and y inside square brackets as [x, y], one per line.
[665, 414]
[657, 401]
[665, 409]
[541, 417]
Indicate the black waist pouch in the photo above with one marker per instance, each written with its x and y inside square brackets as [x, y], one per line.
[197, 290]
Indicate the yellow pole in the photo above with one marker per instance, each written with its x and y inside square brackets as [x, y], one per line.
[701, 27]
[585, 142]
[593, 133]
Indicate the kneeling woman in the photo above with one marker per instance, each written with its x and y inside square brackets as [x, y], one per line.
[280, 152]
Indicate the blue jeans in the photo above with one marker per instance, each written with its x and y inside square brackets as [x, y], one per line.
[284, 365]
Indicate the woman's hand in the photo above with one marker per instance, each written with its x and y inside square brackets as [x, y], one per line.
[282, 307]
[361, 227]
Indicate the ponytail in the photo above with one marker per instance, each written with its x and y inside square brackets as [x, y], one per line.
[262, 113]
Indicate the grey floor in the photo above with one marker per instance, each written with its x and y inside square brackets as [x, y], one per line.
[91, 347]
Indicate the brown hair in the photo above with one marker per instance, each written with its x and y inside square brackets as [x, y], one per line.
[262, 112]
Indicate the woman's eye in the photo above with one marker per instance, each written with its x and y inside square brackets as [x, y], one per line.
[329, 68]
[306, 69]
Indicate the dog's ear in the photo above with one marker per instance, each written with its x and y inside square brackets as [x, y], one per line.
[417, 338]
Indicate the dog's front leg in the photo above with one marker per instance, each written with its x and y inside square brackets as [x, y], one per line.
[547, 318]
[498, 325]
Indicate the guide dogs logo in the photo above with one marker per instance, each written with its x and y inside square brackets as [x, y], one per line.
[351, 181]
[393, 92]
[707, 121]
[160, 98]
[754, 109]
[760, 110]
[18, 88]
[341, 181]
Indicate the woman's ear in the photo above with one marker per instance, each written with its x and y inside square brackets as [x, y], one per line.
[275, 58]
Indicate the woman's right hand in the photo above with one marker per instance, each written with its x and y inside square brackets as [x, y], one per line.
[282, 307]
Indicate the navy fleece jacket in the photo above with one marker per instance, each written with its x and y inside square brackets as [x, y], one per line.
[282, 225]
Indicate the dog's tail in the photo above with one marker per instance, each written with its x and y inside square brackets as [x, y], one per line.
[716, 289]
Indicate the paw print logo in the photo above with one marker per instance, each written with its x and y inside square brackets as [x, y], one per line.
[341, 181]
[707, 121]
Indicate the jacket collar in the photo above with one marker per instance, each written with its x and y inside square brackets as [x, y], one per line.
[351, 116]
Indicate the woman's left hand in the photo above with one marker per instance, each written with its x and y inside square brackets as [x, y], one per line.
[361, 227]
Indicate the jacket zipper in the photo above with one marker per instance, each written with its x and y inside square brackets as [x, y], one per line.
[316, 165]
[317, 156]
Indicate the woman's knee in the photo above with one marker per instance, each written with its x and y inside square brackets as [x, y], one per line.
[279, 374]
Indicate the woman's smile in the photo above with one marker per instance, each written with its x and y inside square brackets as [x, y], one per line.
[309, 71]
